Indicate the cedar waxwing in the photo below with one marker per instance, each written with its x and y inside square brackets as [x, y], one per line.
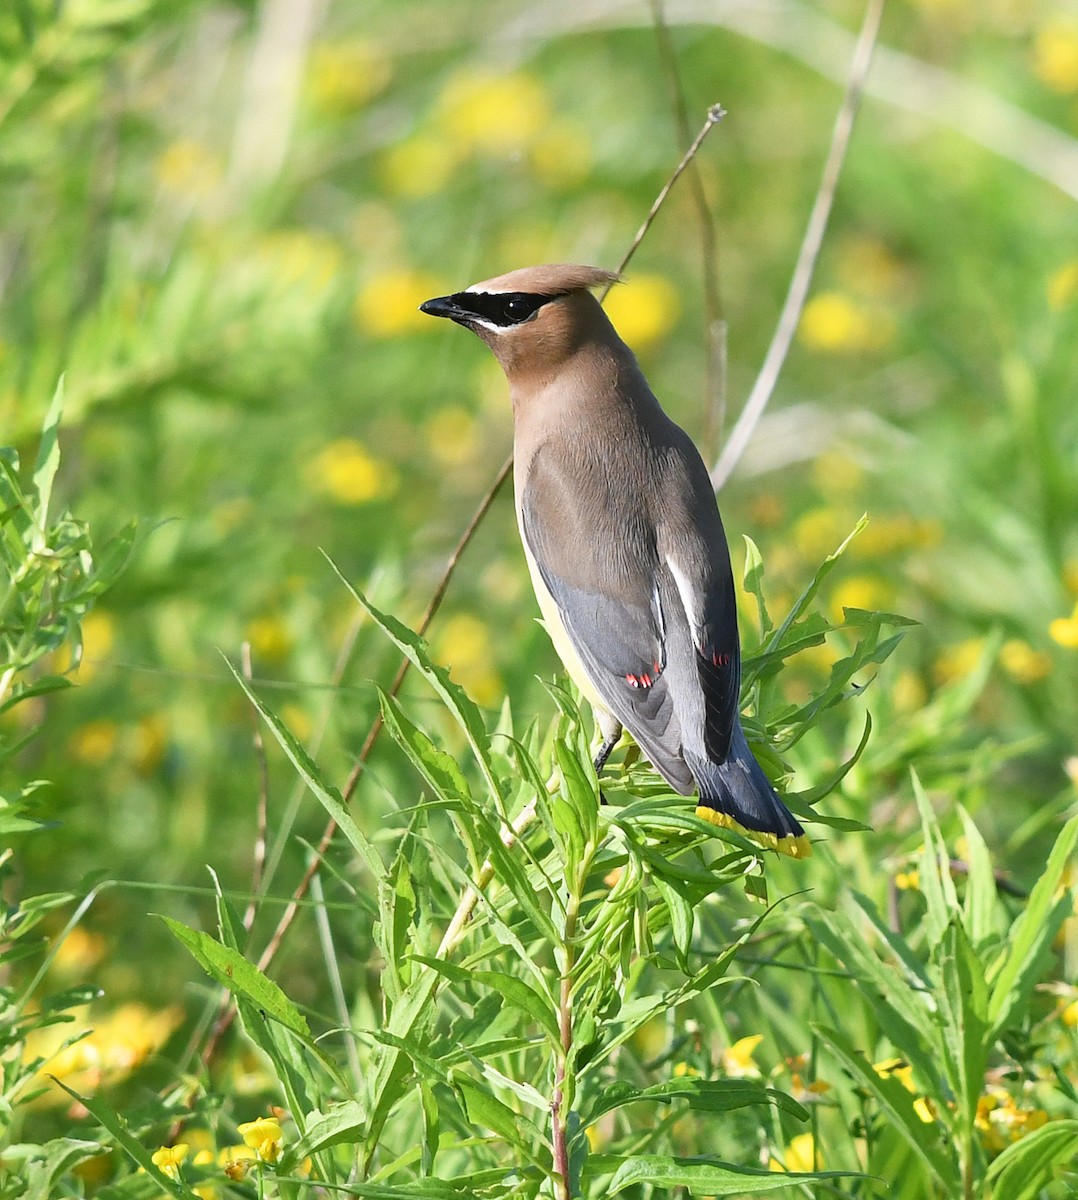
[624, 542]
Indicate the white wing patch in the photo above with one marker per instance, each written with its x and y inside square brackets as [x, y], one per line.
[685, 592]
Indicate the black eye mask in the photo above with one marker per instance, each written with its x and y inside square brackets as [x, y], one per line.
[502, 308]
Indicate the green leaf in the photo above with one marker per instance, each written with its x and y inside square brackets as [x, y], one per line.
[47, 1164]
[753, 581]
[700, 1176]
[980, 906]
[438, 768]
[48, 460]
[1031, 935]
[681, 917]
[896, 1104]
[1028, 1165]
[341, 1125]
[328, 796]
[963, 1001]
[937, 886]
[703, 1095]
[414, 648]
[520, 995]
[234, 972]
[488, 1111]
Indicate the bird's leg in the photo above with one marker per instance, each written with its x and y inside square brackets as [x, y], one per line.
[605, 751]
[611, 731]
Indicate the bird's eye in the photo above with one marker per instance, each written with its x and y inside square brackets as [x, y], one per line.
[518, 308]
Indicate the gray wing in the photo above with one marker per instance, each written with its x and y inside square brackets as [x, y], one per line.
[600, 563]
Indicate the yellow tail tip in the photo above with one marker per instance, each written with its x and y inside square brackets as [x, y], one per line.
[792, 847]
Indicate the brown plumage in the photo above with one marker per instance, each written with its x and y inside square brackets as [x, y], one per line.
[624, 541]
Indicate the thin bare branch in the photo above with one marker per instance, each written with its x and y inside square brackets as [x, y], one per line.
[810, 249]
[714, 319]
[714, 115]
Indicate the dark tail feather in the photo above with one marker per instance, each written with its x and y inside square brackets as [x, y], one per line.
[738, 795]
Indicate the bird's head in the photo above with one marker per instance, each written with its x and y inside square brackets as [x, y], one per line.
[535, 318]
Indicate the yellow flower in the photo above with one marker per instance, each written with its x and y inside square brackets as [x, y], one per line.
[188, 168]
[264, 1138]
[95, 743]
[1069, 1015]
[737, 1061]
[1063, 286]
[98, 631]
[169, 1158]
[957, 661]
[493, 113]
[908, 880]
[1000, 1121]
[270, 639]
[867, 265]
[836, 472]
[800, 1155]
[347, 473]
[80, 951]
[236, 1161]
[297, 720]
[1022, 662]
[561, 154]
[300, 258]
[861, 591]
[1055, 57]
[820, 531]
[1070, 576]
[643, 310]
[834, 324]
[149, 742]
[387, 305]
[908, 692]
[464, 643]
[451, 436]
[419, 166]
[345, 74]
[1064, 630]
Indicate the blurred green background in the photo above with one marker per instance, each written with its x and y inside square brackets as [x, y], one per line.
[218, 220]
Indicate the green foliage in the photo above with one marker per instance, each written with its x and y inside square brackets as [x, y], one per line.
[50, 579]
[220, 216]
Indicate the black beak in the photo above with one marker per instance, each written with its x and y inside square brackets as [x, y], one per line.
[444, 306]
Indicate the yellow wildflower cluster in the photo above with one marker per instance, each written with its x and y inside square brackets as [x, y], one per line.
[1000, 1121]
[387, 304]
[871, 592]
[643, 310]
[114, 1046]
[300, 258]
[345, 74]
[488, 114]
[738, 1061]
[1064, 630]
[189, 169]
[834, 323]
[1055, 57]
[897, 1068]
[347, 473]
[464, 643]
[1022, 663]
[957, 661]
[801, 1154]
